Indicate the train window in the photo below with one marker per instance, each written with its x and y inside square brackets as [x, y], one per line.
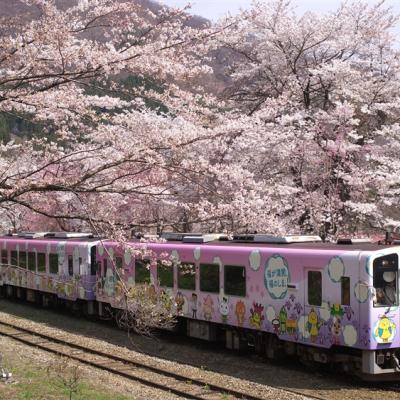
[32, 261]
[53, 263]
[41, 262]
[142, 271]
[345, 283]
[165, 274]
[385, 280]
[235, 280]
[93, 261]
[93, 267]
[118, 262]
[105, 267]
[4, 257]
[14, 258]
[70, 265]
[209, 278]
[187, 276]
[314, 288]
[22, 259]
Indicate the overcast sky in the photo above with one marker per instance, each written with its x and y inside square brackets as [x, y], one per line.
[214, 9]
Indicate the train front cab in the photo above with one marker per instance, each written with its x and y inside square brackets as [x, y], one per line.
[381, 360]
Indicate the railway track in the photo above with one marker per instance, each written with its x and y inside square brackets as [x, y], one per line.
[171, 382]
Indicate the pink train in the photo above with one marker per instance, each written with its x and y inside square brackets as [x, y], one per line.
[323, 302]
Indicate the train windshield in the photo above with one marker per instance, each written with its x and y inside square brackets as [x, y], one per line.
[386, 280]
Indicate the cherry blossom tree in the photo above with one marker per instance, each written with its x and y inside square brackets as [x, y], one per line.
[304, 140]
[321, 97]
[107, 157]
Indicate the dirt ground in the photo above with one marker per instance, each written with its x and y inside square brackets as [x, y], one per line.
[182, 354]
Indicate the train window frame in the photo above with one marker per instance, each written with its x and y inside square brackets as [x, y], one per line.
[235, 288]
[312, 285]
[41, 267]
[53, 257]
[81, 267]
[381, 286]
[192, 275]
[166, 278]
[215, 288]
[147, 279]
[22, 261]
[14, 258]
[30, 266]
[4, 257]
[345, 292]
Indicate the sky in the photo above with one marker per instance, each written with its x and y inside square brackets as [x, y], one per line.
[214, 9]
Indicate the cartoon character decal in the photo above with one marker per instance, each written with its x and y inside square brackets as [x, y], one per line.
[291, 325]
[282, 320]
[336, 310]
[336, 330]
[208, 308]
[313, 325]
[384, 330]
[224, 309]
[256, 315]
[179, 302]
[276, 325]
[240, 311]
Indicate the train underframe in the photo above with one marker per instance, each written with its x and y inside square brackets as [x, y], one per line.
[370, 365]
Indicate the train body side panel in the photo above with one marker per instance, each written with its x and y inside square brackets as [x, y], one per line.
[279, 296]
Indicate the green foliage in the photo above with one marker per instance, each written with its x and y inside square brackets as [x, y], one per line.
[21, 125]
[127, 89]
[4, 129]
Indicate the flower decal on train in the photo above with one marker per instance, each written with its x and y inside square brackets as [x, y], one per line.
[350, 335]
[361, 291]
[128, 256]
[384, 330]
[276, 276]
[336, 269]
[197, 253]
[255, 260]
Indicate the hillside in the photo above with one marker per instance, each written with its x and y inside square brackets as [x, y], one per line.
[14, 127]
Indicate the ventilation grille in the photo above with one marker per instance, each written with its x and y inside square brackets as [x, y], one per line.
[264, 238]
[353, 241]
[193, 237]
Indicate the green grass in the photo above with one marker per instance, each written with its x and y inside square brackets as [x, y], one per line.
[34, 383]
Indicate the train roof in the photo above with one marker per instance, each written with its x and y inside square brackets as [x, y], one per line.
[51, 239]
[219, 240]
[299, 246]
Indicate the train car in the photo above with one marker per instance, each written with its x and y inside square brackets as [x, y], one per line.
[335, 303]
[50, 267]
[323, 302]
